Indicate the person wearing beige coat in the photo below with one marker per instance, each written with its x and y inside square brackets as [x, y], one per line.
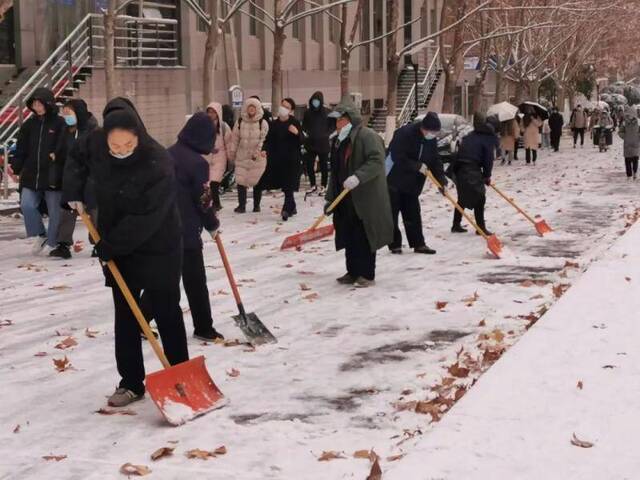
[509, 134]
[249, 134]
[217, 159]
[531, 136]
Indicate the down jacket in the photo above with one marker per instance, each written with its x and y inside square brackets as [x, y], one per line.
[217, 160]
[249, 135]
[532, 133]
[630, 133]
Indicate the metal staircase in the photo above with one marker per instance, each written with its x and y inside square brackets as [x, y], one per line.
[406, 95]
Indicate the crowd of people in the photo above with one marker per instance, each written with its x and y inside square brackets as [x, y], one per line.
[151, 204]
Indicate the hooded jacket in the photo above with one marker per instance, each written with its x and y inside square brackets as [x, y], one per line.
[317, 126]
[364, 159]
[283, 155]
[531, 134]
[629, 131]
[38, 139]
[219, 156]
[196, 139]
[138, 216]
[249, 135]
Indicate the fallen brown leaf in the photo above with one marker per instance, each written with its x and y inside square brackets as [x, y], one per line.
[376, 471]
[57, 458]
[429, 408]
[330, 455]
[440, 305]
[59, 287]
[580, 385]
[137, 470]
[569, 264]
[67, 343]
[201, 454]
[469, 301]
[16, 429]
[40, 354]
[628, 279]
[460, 391]
[61, 364]
[108, 411]
[394, 458]
[580, 443]
[162, 452]
[311, 297]
[370, 455]
[304, 287]
[457, 371]
[497, 335]
[221, 450]
[233, 373]
[558, 290]
[482, 323]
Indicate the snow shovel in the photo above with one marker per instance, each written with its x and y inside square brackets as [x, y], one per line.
[541, 225]
[314, 233]
[183, 391]
[493, 243]
[255, 331]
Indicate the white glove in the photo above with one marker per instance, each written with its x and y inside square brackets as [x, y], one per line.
[351, 182]
[77, 206]
[423, 169]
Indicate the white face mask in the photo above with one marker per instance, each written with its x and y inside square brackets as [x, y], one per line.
[283, 112]
[120, 156]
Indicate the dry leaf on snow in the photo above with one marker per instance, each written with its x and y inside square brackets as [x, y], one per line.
[40, 354]
[201, 454]
[376, 471]
[67, 343]
[457, 371]
[61, 364]
[137, 470]
[366, 454]
[394, 458]
[580, 385]
[569, 264]
[233, 373]
[482, 323]
[330, 455]
[5, 323]
[57, 458]
[580, 443]
[311, 297]
[497, 335]
[162, 452]
[429, 408]
[221, 450]
[628, 279]
[304, 287]
[441, 305]
[16, 429]
[112, 411]
[469, 301]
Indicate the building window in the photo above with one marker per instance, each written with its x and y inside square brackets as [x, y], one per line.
[316, 25]
[253, 23]
[365, 34]
[334, 25]
[297, 27]
[434, 21]
[378, 47]
[202, 25]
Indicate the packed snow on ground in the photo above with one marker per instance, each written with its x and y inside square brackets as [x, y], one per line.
[350, 364]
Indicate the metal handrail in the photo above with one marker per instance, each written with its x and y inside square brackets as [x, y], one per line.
[409, 105]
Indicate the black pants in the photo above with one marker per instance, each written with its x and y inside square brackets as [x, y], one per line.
[555, 140]
[576, 132]
[515, 150]
[323, 161]
[242, 196]
[289, 202]
[478, 213]
[194, 280]
[531, 153]
[409, 207]
[165, 307]
[631, 164]
[215, 194]
[361, 261]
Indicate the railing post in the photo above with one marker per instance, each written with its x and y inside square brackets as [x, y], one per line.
[158, 44]
[139, 27]
[91, 42]
[5, 176]
[70, 62]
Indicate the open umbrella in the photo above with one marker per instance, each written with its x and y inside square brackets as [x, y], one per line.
[542, 112]
[504, 110]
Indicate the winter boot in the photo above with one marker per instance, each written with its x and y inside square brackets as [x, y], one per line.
[362, 282]
[215, 195]
[425, 249]
[346, 279]
[457, 228]
[396, 250]
[285, 215]
[61, 251]
[256, 208]
[240, 209]
[210, 335]
[123, 397]
[38, 244]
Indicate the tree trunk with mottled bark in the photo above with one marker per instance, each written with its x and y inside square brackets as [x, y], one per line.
[210, 47]
[109, 49]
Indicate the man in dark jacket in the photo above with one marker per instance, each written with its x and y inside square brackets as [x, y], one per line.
[317, 128]
[35, 161]
[79, 123]
[472, 169]
[139, 223]
[413, 151]
[555, 125]
[196, 139]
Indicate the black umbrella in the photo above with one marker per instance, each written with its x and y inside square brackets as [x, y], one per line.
[541, 112]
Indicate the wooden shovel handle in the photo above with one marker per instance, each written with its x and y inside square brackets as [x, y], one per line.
[127, 295]
[455, 204]
[513, 204]
[333, 205]
[227, 269]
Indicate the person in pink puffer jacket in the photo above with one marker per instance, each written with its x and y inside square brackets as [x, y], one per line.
[218, 158]
[249, 134]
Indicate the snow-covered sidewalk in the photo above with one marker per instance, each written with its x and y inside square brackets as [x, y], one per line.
[576, 372]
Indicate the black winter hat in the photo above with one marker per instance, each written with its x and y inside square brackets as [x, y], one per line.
[431, 122]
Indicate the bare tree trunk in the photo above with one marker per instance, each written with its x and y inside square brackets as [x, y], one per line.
[109, 50]
[450, 80]
[478, 102]
[345, 53]
[276, 70]
[519, 94]
[210, 47]
[499, 93]
[392, 60]
[534, 89]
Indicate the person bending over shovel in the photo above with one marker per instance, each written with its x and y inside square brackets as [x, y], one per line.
[139, 224]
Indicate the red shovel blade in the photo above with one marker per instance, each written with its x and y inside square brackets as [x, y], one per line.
[494, 245]
[307, 236]
[542, 227]
[184, 391]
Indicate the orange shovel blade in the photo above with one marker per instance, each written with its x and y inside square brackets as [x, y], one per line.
[542, 227]
[184, 391]
[307, 236]
[494, 245]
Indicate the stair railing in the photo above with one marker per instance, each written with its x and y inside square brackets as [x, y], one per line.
[408, 107]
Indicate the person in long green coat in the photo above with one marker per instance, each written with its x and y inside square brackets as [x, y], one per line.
[363, 219]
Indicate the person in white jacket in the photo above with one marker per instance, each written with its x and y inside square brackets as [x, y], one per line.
[219, 156]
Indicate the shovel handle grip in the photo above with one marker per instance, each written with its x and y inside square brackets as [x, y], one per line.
[513, 204]
[333, 205]
[455, 204]
[115, 271]
[227, 269]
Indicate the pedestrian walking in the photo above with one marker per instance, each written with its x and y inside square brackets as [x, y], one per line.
[546, 134]
[556, 122]
[139, 225]
[218, 157]
[197, 212]
[283, 157]
[472, 170]
[630, 134]
[36, 162]
[509, 135]
[317, 128]
[531, 123]
[79, 123]
[578, 123]
[247, 154]
[362, 220]
[413, 152]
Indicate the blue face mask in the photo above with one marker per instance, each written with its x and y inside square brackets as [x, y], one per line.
[315, 103]
[344, 133]
[429, 136]
[70, 120]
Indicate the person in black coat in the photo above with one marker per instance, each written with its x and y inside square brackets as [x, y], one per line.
[413, 151]
[140, 229]
[472, 169]
[36, 162]
[556, 121]
[196, 139]
[79, 123]
[283, 156]
[316, 127]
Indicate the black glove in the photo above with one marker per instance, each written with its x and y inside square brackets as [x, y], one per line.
[487, 181]
[326, 209]
[104, 251]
